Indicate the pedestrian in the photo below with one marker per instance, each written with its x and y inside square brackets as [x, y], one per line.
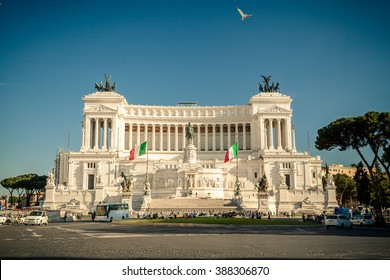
[303, 217]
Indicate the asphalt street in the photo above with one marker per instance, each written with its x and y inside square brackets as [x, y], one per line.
[97, 240]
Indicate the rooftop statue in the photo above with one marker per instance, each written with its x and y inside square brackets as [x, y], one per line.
[267, 86]
[100, 87]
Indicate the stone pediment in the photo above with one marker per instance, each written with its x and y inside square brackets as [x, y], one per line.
[100, 108]
[274, 109]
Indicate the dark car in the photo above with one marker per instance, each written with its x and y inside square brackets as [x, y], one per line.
[379, 221]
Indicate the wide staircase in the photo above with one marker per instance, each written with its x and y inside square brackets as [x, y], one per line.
[184, 204]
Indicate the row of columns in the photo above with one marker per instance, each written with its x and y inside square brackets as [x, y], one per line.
[206, 140]
[98, 133]
[276, 133]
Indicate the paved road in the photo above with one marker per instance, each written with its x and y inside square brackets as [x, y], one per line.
[93, 240]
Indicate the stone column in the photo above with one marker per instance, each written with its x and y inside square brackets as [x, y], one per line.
[214, 136]
[221, 137]
[244, 136]
[279, 132]
[112, 136]
[236, 136]
[176, 137]
[262, 134]
[293, 138]
[199, 132]
[87, 133]
[130, 136]
[104, 147]
[83, 138]
[206, 137]
[161, 137]
[146, 128]
[95, 146]
[270, 135]
[138, 134]
[183, 135]
[153, 137]
[288, 135]
[229, 136]
[168, 137]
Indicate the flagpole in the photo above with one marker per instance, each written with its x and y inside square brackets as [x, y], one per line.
[147, 161]
[147, 190]
[236, 138]
[238, 192]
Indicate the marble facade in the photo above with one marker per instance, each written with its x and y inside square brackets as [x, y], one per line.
[189, 176]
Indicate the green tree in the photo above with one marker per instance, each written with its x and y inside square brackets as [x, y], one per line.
[345, 189]
[368, 131]
[383, 200]
[363, 185]
[14, 183]
[30, 183]
[34, 187]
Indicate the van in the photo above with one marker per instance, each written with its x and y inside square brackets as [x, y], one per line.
[36, 218]
[363, 220]
[337, 221]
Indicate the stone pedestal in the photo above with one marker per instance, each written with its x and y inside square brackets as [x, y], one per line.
[49, 195]
[99, 194]
[330, 197]
[145, 203]
[284, 200]
[190, 154]
[262, 202]
[127, 197]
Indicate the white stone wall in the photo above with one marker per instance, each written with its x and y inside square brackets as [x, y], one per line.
[266, 140]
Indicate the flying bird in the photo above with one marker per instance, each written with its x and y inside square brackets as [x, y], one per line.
[243, 15]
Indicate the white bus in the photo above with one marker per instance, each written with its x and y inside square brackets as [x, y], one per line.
[111, 211]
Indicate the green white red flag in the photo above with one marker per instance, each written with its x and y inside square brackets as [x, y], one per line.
[231, 153]
[138, 151]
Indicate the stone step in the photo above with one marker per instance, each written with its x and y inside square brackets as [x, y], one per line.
[191, 203]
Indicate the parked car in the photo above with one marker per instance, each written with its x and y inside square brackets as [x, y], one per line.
[337, 221]
[363, 220]
[3, 219]
[37, 218]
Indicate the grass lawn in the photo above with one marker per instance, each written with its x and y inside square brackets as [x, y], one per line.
[223, 221]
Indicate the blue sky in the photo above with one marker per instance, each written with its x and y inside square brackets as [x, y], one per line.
[332, 57]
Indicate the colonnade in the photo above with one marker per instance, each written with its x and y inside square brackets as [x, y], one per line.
[171, 137]
[276, 133]
[98, 134]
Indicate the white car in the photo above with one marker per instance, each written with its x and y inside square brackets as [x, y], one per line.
[363, 220]
[37, 218]
[3, 219]
[337, 221]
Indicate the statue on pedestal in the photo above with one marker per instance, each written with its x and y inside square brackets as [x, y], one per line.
[126, 184]
[263, 184]
[329, 177]
[190, 134]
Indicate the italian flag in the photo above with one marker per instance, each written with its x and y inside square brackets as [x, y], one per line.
[231, 153]
[138, 151]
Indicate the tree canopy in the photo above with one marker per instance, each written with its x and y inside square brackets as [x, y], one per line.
[30, 183]
[372, 131]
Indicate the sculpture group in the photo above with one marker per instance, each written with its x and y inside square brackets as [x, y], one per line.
[107, 87]
[267, 87]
